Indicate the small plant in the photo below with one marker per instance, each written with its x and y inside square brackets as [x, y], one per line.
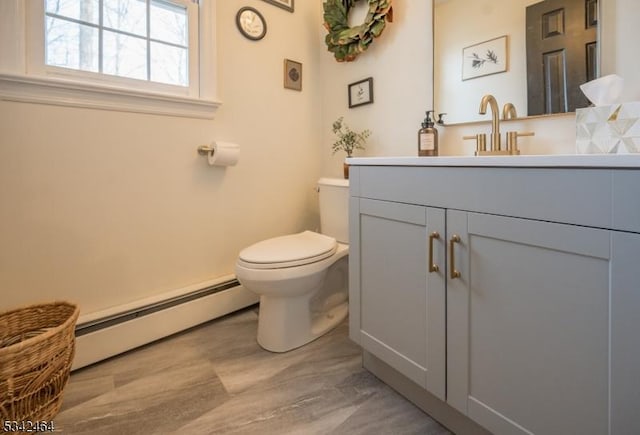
[348, 140]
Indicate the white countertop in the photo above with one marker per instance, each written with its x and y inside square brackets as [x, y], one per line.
[523, 161]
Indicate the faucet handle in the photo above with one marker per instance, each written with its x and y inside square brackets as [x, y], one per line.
[512, 140]
[481, 142]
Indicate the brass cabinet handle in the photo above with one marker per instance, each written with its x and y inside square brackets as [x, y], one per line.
[432, 266]
[454, 273]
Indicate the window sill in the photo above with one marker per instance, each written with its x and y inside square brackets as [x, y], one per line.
[59, 92]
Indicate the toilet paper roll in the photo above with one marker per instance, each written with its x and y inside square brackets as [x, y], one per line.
[224, 154]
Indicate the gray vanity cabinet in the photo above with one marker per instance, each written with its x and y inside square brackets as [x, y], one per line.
[529, 325]
[402, 307]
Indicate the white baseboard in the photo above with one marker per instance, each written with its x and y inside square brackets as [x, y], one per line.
[113, 340]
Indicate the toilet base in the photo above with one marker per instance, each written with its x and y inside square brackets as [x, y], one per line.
[299, 304]
[285, 324]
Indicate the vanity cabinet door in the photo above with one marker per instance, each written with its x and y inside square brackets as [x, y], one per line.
[397, 305]
[625, 334]
[528, 325]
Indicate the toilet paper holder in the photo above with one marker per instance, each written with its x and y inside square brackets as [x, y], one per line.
[206, 150]
[220, 153]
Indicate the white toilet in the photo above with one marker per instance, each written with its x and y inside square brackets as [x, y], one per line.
[302, 279]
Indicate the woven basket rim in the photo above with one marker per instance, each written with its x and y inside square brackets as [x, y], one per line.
[46, 335]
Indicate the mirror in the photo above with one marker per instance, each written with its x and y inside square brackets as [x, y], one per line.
[513, 49]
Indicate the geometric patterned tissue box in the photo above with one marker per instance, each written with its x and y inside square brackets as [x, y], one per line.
[613, 129]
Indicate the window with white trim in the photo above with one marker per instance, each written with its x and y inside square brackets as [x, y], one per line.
[151, 56]
[137, 39]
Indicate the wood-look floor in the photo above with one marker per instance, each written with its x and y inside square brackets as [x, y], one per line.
[215, 379]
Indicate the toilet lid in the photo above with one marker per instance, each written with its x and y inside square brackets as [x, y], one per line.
[288, 251]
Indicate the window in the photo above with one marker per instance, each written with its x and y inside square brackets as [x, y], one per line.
[139, 39]
[149, 55]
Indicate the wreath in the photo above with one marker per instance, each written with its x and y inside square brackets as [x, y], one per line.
[345, 42]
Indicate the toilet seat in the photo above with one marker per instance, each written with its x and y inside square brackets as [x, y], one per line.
[288, 251]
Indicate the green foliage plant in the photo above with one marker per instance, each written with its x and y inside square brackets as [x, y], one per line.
[347, 139]
[345, 42]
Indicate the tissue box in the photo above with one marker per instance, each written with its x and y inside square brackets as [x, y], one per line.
[613, 129]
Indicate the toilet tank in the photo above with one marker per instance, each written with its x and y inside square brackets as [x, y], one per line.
[334, 208]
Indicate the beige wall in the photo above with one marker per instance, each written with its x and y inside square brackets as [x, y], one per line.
[620, 36]
[106, 208]
[400, 63]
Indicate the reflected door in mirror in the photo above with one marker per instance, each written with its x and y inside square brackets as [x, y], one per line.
[561, 54]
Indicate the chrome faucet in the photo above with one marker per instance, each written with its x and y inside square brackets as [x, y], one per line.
[495, 119]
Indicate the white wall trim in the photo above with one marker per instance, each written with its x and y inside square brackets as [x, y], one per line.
[60, 92]
[104, 343]
[140, 303]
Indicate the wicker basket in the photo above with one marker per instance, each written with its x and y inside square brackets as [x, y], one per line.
[37, 344]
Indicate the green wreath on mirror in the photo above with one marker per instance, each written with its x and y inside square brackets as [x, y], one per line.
[345, 42]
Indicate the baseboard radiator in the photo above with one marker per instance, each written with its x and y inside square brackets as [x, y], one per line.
[111, 332]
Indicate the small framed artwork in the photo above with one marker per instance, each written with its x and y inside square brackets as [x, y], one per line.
[485, 58]
[284, 4]
[292, 75]
[361, 93]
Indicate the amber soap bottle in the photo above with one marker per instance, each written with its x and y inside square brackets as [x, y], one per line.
[428, 137]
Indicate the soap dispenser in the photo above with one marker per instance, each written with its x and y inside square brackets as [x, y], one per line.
[428, 137]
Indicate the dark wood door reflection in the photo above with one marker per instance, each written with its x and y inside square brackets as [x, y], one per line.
[561, 54]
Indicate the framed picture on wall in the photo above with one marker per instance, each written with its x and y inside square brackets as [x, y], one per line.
[361, 93]
[292, 75]
[485, 58]
[284, 4]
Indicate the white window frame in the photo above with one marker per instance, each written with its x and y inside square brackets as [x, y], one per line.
[25, 77]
